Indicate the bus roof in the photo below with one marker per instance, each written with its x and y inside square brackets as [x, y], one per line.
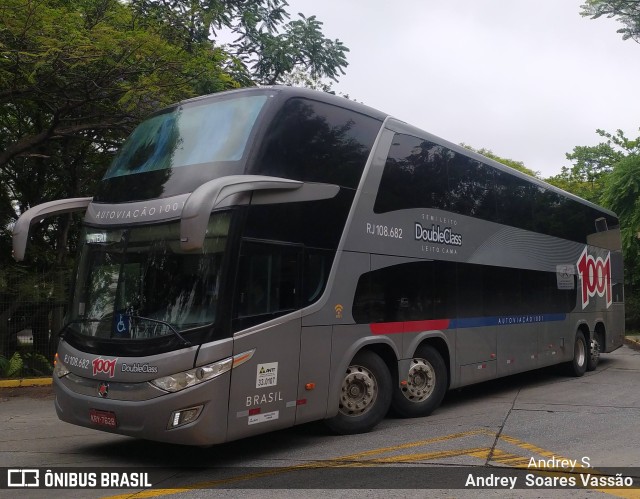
[395, 124]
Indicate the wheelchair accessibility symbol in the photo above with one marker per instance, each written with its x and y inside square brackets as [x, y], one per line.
[122, 325]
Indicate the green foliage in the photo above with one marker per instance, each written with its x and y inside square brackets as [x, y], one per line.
[300, 78]
[625, 11]
[36, 364]
[632, 310]
[12, 367]
[592, 165]
[516, 165]
[20, 281]
[267, 46]
[24, 364]
[573, 181]
[15, 365]
[301, 44]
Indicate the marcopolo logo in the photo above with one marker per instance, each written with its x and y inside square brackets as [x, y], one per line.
[595, 275]
[437, 235]
[107, 366]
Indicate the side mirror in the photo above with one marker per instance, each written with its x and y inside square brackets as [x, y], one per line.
[39, 213]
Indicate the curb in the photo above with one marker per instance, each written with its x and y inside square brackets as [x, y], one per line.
[632, 342]
[16, 383]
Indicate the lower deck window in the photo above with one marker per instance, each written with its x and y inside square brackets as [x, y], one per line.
[436, 290]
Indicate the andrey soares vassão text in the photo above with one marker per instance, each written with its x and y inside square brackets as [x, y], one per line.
[567, 478]
[586, 480]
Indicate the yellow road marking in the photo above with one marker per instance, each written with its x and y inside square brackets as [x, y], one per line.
[408, 445]
[368, 458]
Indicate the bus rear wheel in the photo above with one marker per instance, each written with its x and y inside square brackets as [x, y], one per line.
[424, 386]
[578, 366]
[597, 344]
[365, 395]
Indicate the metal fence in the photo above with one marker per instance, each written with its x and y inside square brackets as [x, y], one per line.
[32, 308]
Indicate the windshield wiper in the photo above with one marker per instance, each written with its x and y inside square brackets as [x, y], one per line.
[185, 342]
[63, 329]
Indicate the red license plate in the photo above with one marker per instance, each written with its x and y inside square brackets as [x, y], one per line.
[103, 418]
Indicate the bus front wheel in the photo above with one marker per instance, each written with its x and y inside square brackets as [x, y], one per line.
[365, 395]
[424, 386]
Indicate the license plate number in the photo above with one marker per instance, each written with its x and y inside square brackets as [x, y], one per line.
[103, 418]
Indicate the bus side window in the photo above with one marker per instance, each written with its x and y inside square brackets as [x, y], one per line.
[268, 282]
[317, 265]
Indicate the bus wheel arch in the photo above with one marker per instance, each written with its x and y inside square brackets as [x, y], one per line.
[596, 346]
[365, 392]
[421, 389]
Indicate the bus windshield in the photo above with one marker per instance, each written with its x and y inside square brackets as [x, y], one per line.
[196, 133]
[136, 282]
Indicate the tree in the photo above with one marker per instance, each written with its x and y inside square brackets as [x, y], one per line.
[266, 46]
[592, 165]
[272, 56]
[625, 11]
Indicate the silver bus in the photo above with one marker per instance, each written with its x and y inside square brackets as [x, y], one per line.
[266, 257]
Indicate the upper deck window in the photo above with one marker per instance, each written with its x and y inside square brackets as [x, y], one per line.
[317, 142]
[419, 173]
[197, 133]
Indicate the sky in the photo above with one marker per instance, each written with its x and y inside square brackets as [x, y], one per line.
[528, 79]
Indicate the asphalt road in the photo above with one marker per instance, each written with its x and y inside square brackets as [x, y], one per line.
[582, 425]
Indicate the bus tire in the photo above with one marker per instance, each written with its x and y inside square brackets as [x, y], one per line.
[578, 366]
[424, 387]
[365, 395]
[597, 344]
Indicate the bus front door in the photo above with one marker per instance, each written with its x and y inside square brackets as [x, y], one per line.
[263, 391]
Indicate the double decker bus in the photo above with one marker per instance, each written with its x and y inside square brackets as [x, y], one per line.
[266, 257]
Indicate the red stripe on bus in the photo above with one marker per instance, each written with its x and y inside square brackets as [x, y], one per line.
[408, 326]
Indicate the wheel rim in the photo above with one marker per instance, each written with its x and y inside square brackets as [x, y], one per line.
[581, 354]
[359, 391]
[421, 381]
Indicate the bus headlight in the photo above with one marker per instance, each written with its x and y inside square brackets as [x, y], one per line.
[192, 377]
